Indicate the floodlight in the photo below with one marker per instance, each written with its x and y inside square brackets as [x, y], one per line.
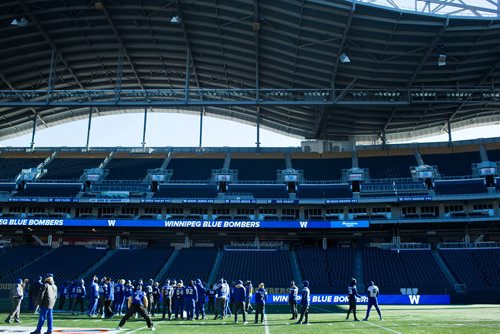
[175, 19]
[22, 22]
[344, 58]
[442, 60]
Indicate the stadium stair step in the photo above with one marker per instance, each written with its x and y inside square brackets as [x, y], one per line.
[166, 266]
[297, 275]
[96, 265]
[215, 268]
[446, 272]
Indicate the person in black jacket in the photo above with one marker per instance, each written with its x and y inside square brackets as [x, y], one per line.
[352, 294]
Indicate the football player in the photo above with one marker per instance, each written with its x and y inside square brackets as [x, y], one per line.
[80, 295]
[293, 292]
[352, 293]
[305, 302]
[239, 297]
[373, 292]
[167, 292]
[200, 304]
[137, 303]
[190, 299]
[260, 303]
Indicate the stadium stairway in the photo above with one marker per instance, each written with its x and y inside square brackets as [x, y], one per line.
[167, 265]
[297, 275]
[358, 270]
[92, 268]
[446, 272]
[212, 278]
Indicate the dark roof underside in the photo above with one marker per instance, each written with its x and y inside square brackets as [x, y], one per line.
[297, 46]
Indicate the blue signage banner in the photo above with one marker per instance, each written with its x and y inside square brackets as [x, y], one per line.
[414, 198]
[214, 224]
[382, 299]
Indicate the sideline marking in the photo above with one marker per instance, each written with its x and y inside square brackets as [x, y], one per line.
[266, 327]
[387, 329]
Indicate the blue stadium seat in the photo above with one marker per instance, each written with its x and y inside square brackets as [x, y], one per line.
[186, 191]
[11, 167]
[388, 167]
[69, 168]
[324, 191]
[194, 169]
[322, 169]
[460, 166]
[259, 190]
[131, 168]
[257, 169]
[449, 187]
[59, 190]
[191, 264]
[12, 258]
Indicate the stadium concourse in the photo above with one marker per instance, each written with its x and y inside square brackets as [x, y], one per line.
[352, 78]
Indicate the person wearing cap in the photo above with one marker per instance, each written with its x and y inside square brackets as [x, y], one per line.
[137, 303]
[16, 297]
[239, 296]
[352, 293]
[179, 300]
[200, 304]
[305, 302]
[260, 303]
[46, 300]
[293, 292]
[373, 292]
[167, 292]
[221, 292]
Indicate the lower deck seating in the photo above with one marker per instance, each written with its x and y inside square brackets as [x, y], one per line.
[66, 263]
[324, 191]
[273, 268]
[134, 264]
[186, 191]
[49, 190]
[474, 267]
[472, 186]
[191, 264]
[12, 259]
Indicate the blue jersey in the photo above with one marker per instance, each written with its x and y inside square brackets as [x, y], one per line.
[64, 292]
[168, 291]
[239, 294]
[352, 292]
[138, 298]
[103, 290]
[260, 296]
[119, 291]
[128, 290]
[148, 289]
[110, 293]
[202, 292]
[72, 291]
[306, 297]
[80, 291]
[94, 290]
[190, 293]
[293, 291]
[179, 292]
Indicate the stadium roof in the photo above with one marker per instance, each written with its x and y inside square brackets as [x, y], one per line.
[243, 44]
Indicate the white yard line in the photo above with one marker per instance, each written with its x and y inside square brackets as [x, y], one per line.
[266, 327]
[387, 329]
[138, 329]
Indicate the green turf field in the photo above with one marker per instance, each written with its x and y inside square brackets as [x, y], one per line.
[397, 319]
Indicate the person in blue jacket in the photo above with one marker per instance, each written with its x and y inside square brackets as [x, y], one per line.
[119, 297]
[190, 299]
[239, 296]
[93, 297]
[200, 304]
[80, 295]
[179, 300]
[304, 304]
[128, 291]
[260, 303]
[63, 295]
[72, 294]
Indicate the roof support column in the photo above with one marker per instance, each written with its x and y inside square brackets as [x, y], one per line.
[200, 143]
[51, 76]
[258, 128]
[88, 129]
[449, 132]
[186, 84]
[144, 127]
[33, 131]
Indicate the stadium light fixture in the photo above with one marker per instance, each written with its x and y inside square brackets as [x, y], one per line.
[344, 59]
[22, 22]
[175, 19]
[442, 60]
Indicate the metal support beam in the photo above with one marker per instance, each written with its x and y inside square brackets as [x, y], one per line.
[35, 21]
[431, 48]
[257, 143]
[33, 131]
[186, 84]
[256, 28]
[88, 129]
[200, 144]
[50, 83]
[464, 6]
[119, 74]
[143, 143]
[122, 44]
[449, 132]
